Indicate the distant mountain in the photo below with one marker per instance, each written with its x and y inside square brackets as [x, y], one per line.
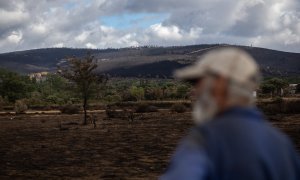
[145, 61]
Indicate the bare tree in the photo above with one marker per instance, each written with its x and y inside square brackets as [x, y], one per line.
[81, 71]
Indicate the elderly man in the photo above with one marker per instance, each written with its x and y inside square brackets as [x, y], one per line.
[231, 139]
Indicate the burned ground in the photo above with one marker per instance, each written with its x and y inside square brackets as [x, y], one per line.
[59, 147]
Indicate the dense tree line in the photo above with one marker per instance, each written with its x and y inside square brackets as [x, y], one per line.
[52, 90]
[55, 89]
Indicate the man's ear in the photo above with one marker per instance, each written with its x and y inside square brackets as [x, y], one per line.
[221, 85]
[221, 91]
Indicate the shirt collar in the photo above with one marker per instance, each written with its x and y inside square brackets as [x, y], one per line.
[251, 112]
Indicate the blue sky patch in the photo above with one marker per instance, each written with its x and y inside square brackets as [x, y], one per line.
[69, 5]
[137, 20]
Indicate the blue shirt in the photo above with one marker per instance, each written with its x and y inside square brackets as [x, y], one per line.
[237, 145]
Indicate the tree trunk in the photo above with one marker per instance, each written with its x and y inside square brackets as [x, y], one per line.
[84, 110]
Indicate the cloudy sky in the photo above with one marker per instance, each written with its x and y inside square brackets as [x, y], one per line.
[32, 24]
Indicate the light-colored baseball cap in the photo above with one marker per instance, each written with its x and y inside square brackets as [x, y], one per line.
[232, 63]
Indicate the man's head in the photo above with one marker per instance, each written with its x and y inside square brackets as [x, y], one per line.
[222, 79]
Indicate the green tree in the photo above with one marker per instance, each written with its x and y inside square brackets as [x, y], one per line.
[14, 86]
[182, 91]
[153, 93]
[81, 72]
[56, 82]
[275, 85]
[267, 88]
[137, 92]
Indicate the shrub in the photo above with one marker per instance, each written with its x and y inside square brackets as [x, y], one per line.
[113, 98]
[70, 109]
[35, 99]
[137, 92]
[20, 106]
[75, 100]
[54, 99]
[152, 109]
[278, 100]
[179, 108]
[47, 108]
[143, 108]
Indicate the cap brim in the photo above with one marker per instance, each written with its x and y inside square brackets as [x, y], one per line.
[188, 73]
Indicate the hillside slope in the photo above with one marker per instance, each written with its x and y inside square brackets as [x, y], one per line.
[145, 61]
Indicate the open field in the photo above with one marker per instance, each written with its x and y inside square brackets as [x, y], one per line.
[58, 147]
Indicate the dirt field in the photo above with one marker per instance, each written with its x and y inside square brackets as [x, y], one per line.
[58, 147]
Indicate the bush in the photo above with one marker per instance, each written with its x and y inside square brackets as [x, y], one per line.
[137, 92]
[179, 108]
[278, 100]
[20, 106]
[75, 100]
[143, 108]
[70, 109]
[113, 98]
[54, 99]
[152, 109]
[35, 99]
[47, 108]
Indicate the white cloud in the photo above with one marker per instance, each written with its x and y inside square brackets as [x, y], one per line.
[90, 45]
[39, 28]
[171, 35]
[82, 37]
[15, 37]
[128, 39]
[165, 32]
[58, 45]
[74, 23]
[13, 18]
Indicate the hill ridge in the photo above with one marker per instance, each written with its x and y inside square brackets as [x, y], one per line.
[121, 62]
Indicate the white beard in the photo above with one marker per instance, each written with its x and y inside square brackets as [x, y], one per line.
[204, 109]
